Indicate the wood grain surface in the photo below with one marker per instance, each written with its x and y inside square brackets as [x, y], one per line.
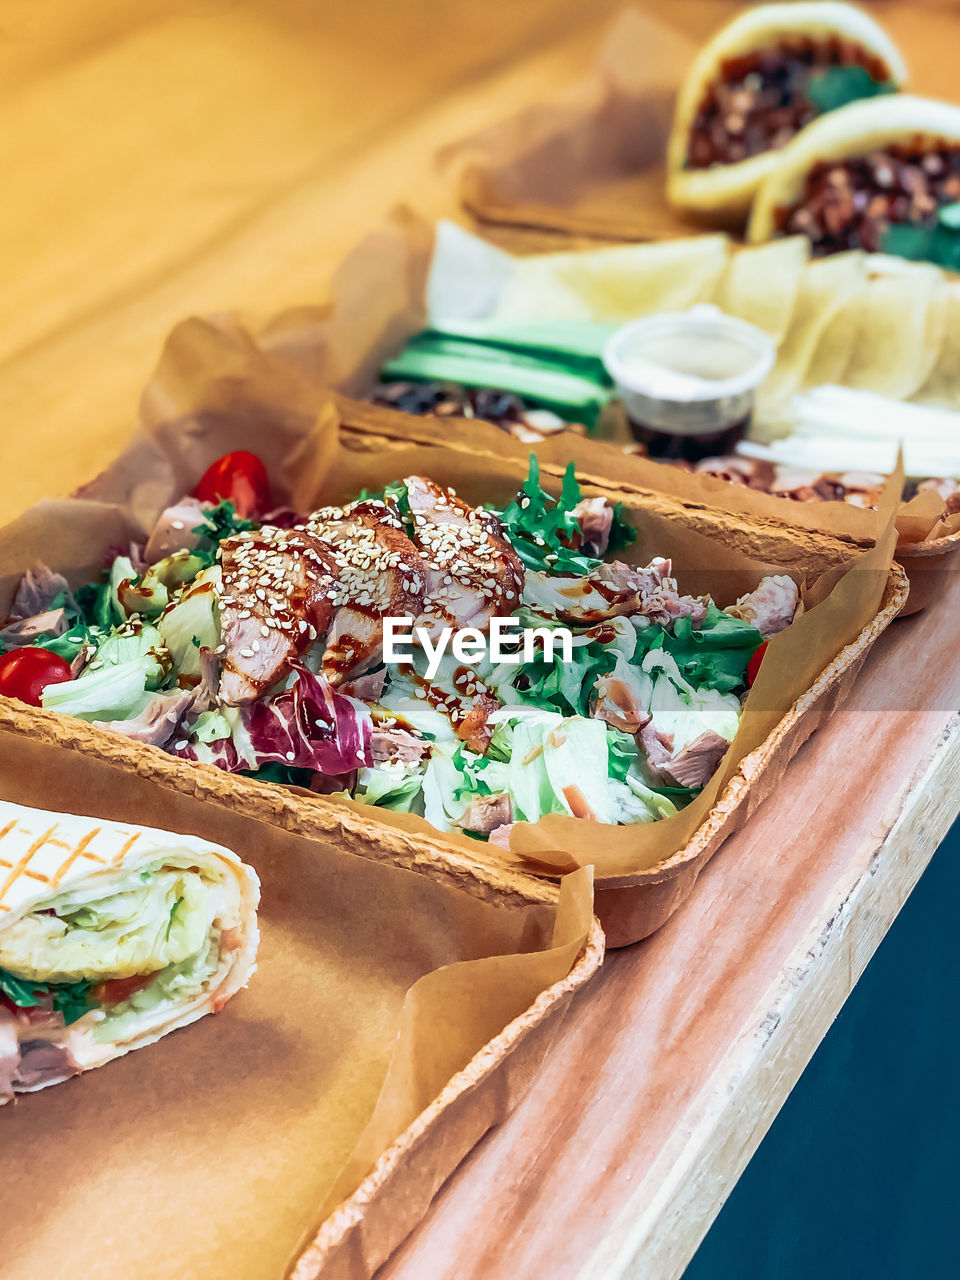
[174, 156]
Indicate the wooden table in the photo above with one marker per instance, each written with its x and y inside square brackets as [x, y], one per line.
[190, 155]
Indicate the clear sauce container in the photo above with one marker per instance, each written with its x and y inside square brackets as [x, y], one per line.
[687, 379]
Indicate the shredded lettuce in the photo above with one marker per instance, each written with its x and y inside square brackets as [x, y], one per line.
[71, 999]
[179, 981]
[128, 665]
[97, 605]
[285, 775]
[547, 763]
[138, 928]
[566, 687]
[392, 785]
[219, 522]
[713, 655]
[210, 726]
[680, 709]
[194, 621]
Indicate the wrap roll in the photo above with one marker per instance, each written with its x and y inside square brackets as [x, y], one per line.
[111, 936]
[881, 140]
[719, 174]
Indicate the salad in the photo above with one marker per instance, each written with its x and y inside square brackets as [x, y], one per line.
[252, 639]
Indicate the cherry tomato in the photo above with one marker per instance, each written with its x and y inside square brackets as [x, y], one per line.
[25, 673]
[753, 666]
[241, 478]
[116, 990]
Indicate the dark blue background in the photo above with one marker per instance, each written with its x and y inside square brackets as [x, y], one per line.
[858, 1177]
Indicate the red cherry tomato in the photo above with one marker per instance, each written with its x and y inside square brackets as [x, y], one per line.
[753, 666]
[116, 990]
[25, 673]
[241, 478]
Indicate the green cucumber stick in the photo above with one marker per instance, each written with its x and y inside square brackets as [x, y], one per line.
[550, 338]
[566, 391]
[577, 366]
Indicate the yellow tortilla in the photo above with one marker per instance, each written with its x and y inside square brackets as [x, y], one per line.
[761, 284]
[618, 283]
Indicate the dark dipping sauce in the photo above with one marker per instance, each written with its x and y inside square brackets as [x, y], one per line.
[668, 446]
[851, 204]
[760, 101]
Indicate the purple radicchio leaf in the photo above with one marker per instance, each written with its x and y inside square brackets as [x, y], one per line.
[308, 726]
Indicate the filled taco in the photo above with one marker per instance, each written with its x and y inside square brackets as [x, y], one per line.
[881, 175]
[760, 81]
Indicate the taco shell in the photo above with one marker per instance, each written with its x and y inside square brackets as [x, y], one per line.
[725, 191]
[849, 132]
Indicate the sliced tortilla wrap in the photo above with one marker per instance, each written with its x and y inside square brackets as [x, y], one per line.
[942, 387]
[616, 283]
[726, 190]
[828, 286]
[887, 337]
[850, 132]
[761, 284]
[111, 936]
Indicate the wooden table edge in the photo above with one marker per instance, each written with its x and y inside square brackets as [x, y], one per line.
[657, 1232]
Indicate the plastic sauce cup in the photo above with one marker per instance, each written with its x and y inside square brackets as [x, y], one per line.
[687, 379]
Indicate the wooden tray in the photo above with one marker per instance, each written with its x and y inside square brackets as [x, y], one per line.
[242, 1100]
[630, 906]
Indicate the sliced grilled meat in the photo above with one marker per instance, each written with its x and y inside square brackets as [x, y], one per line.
[697, 762]
[275, 602]
[612, 590]
[473, 573]
[174, 530]
[770, 607]
[378, 574]
[486, 813]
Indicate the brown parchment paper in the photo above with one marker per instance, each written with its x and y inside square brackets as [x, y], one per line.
[218, 1151]
[313, 462]
[590, 161]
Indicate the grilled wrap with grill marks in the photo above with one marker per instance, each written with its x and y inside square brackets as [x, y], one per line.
[111, 936]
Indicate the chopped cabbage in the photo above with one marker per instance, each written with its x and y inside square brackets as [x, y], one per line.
[395, 784]
[684, 711]
[150, 922]
[117, 683]
[193, 622]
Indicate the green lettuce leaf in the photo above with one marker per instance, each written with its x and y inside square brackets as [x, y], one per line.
[117, 684]
[220, 522]
[543, 530]
[834, 87]
[72, 999]
[391, 785]
[714, 655]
